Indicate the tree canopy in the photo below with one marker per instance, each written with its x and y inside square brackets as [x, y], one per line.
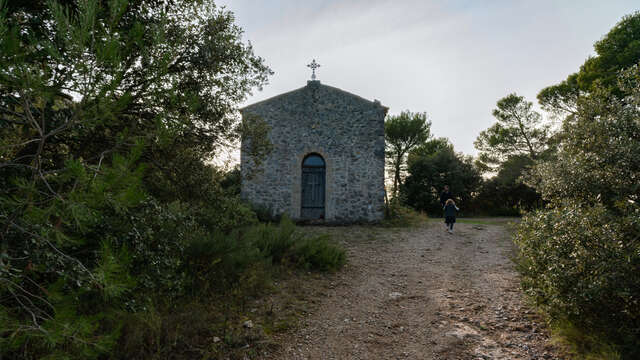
[506, 193]
[580, 255]
[518, 131]
[617, 50]
[599, 156]
[402, 133]
[433, 165]
[108, 114]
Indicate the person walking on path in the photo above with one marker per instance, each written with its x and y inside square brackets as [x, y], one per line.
[446, 195]
[450, 210]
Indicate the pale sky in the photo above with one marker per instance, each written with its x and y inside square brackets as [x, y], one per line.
[450, 59]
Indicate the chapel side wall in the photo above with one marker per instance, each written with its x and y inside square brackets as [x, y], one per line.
[358, 188]
[347, 131]
[268, 184]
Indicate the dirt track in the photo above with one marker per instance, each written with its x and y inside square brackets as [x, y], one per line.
[420, 293]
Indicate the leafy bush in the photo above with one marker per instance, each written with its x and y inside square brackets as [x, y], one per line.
[101, 194]
[275, 242]
[430, 168]
[219, 261]
[580, 257]
[506, 194]
[399, 215]
[231, 181]
[265, 214]
[284, 244]
[222, 271]
[580, 263]
[318, 253]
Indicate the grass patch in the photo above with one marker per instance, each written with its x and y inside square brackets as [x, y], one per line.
[402, 216]
[319, 253]
[579, 344]
[286, 245]
[501, 221]
[487, 221]
[253, 274]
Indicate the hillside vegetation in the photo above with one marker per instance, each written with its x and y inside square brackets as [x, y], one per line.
[577, 188]
[117, 239]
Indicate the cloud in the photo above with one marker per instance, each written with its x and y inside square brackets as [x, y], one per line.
[452, 59]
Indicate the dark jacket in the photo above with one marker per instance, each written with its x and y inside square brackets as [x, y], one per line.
[446, 195]
[450, 210]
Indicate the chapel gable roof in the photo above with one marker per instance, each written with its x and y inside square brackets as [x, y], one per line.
[313, 93]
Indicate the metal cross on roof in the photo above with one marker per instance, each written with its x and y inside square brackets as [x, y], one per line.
[314, 65]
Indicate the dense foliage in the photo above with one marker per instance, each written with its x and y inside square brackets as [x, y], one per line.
[402, 133]
[109, 112]
[519, 131]
[508, 149]
[617, 50]
[433, 165]
[580, 257]
[506, 193]
[223, 274]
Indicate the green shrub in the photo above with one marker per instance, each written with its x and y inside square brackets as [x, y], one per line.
[231, 181]
[429, 168]
[222, 261]
[221, 272]
[275, 242]
[265, 214]
[101, 195]
[219, 261]
[399, 215]
[579, 344]
[318, 253]
[580, 256]
[580, 263]
[285, 244]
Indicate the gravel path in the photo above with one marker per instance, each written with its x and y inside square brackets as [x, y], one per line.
[420, 293]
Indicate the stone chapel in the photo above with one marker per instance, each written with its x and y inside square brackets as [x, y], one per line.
[327, 160]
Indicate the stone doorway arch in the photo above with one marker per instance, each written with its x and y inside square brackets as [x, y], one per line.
[313, 187]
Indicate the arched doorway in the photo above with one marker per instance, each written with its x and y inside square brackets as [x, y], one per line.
[313, 187]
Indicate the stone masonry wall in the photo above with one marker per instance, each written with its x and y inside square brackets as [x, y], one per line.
[346, 130]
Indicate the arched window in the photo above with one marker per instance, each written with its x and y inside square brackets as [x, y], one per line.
[313, 160]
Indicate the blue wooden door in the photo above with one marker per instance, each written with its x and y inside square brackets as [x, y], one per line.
[313, 187]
